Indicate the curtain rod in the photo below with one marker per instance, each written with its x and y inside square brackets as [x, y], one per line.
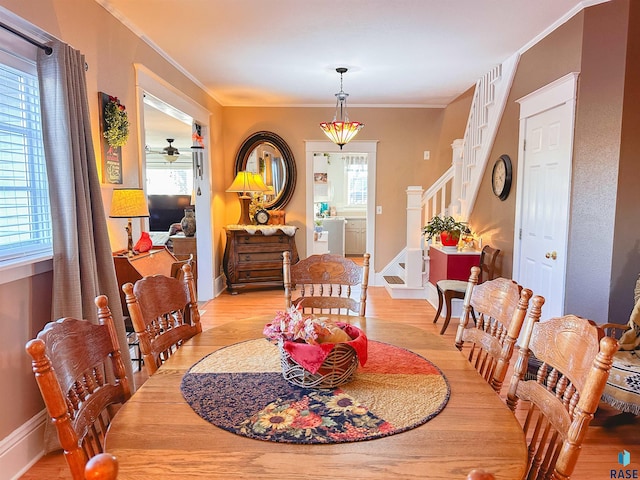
[48, 50]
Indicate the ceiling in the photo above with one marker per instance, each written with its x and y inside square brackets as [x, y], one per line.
[404, 53]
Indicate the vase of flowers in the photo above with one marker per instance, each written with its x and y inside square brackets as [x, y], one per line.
[316, 352]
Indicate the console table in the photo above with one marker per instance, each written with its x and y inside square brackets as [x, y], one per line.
[451, 265]
[253, 255]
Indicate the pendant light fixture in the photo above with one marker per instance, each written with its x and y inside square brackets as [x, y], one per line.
[341, 130]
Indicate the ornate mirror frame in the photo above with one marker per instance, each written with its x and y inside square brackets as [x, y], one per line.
[288, 164]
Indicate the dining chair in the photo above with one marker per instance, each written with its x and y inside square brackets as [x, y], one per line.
[132, 338]
[327, 284]
[103, 466]
[164, 313]
[560, 402]
[450, 289]
[70, 361]
[498, 307]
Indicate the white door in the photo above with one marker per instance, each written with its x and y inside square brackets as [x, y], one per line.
[544, 178]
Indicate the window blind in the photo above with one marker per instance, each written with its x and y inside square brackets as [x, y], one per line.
[25, 218]
[356, 173]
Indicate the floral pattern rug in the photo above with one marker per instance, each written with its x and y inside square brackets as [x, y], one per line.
[240, 388]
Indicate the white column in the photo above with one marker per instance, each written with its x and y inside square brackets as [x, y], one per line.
[413, 263]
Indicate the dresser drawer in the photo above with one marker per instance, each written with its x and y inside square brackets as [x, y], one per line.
[256, 275]
[263, 241]
[274, 256]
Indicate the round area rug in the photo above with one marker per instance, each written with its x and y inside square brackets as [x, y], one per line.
[240, 388]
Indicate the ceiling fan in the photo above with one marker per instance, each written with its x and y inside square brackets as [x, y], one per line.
[170, 153]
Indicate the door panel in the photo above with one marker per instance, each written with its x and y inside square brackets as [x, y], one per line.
[544, 208]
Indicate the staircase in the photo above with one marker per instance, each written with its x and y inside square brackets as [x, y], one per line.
[455, 192]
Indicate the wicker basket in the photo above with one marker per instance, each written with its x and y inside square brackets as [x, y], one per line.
[337, 369]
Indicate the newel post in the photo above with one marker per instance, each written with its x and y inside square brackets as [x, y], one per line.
[413, 264]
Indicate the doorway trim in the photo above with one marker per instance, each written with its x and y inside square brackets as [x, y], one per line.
[559, 92]
[149, 82]
[355, 146]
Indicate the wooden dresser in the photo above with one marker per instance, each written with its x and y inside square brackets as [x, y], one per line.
[253, 255]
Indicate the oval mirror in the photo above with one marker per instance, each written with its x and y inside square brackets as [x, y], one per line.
[268, 154]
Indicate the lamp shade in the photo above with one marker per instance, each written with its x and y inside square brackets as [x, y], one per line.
[259, 183]
[246, 182]
[341, 133]
[128, 203]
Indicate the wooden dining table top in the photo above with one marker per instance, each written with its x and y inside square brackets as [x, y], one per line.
[157, 435]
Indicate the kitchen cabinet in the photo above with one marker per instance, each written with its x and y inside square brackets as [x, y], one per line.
[355, 236]
[336, 228]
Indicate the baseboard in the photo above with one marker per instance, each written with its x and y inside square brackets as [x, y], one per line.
[23, 447]
[220, 284]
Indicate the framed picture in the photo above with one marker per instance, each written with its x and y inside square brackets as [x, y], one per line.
[111, 156]
[320, 177]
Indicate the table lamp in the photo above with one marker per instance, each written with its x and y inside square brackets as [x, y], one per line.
[246, 183]
[129, 203]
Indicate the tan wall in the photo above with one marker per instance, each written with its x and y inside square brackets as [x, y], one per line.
[27, 308]
[402, 134]
[605, 228]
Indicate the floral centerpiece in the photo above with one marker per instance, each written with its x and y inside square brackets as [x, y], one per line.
[116, 123]
[315, 351]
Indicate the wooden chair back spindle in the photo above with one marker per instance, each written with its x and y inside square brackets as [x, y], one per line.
[327, 284]
[72, 362]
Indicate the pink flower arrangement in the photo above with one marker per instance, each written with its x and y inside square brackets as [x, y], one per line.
[292, 325]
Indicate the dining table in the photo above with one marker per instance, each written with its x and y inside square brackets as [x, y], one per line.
[156, 434]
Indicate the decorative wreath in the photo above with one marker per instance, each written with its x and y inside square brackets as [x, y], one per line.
[116, 123]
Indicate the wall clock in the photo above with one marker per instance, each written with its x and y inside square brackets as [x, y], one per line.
[501, 177]
[262, 217]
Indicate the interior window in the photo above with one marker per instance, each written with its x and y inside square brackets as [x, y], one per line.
[174, 181]
[25, 218]
[356, 175]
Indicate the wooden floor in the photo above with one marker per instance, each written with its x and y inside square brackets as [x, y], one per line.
[609, 433]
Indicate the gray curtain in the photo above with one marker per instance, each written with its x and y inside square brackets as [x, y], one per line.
[82, 261]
